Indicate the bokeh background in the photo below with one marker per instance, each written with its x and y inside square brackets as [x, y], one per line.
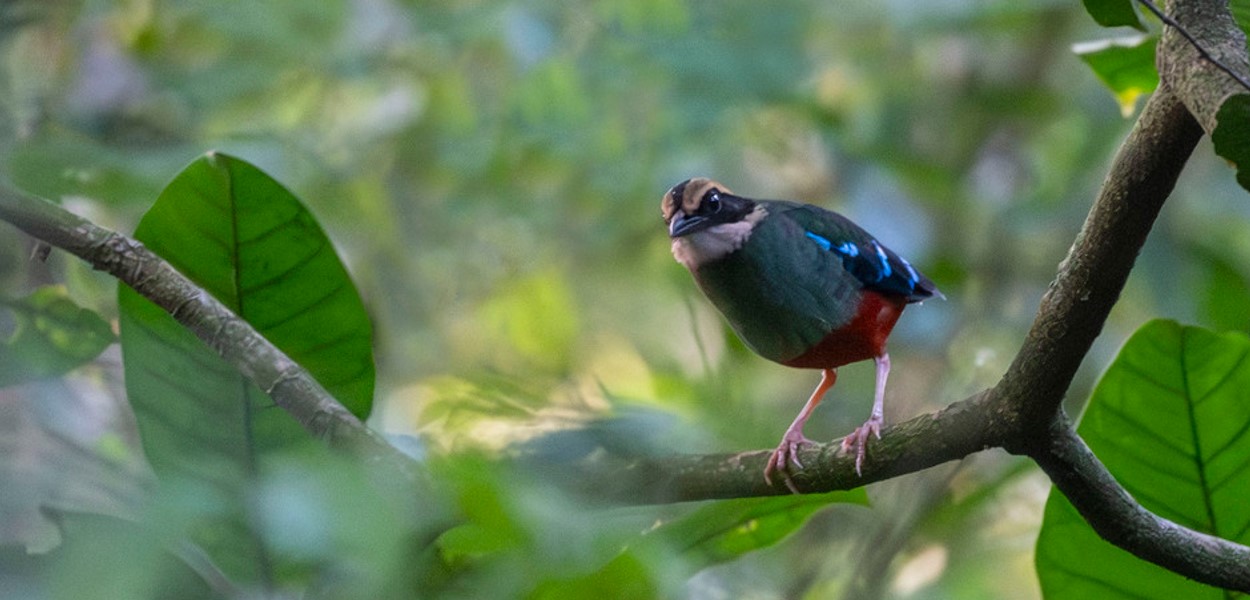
[491, 174]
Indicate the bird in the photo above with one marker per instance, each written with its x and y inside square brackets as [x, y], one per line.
[801, 286]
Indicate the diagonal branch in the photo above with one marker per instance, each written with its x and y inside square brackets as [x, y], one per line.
[1090, 279]
[290, 386]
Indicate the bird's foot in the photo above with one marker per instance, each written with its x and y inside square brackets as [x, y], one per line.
[857, 441]
[786, 454]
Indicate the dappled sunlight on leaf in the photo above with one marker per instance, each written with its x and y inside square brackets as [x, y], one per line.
[457, 414]
[535, 317]
[614, 365]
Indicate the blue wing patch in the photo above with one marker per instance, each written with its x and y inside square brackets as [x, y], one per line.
[882, 260]
[822, 242]
[876, 267]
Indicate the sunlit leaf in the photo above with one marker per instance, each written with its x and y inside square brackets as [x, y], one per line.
[1126, 66]
[249, 242]
[52, 336]
[537, 317]
[1232, 135]
[1114, 13]
[1171, 420]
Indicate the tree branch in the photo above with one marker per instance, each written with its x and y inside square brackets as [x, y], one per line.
[1076, 305]
[1119, 519]
[948, 434]
[1198, 46]
[1202, 86]
[290, 386]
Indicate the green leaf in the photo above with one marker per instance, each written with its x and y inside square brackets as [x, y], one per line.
[250, 243]
[1114, 13]
[715, 533]
[1241, 13]
[725, 530]
[624, 577]
[1125, 65]
[52, 336]
[1170, 419]
[1232, 135]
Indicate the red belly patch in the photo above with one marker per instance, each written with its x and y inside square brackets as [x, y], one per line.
[861, 339]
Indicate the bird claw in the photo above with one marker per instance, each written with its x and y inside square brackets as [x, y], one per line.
[787, 453]
[857, 441]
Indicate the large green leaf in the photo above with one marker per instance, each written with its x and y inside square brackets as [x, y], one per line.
[1114, 13]
[52, 335]
[251, 244]
[1126, 66]
[1170, 419]
[1232, 135]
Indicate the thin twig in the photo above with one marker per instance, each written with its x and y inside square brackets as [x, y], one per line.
[1170, 22]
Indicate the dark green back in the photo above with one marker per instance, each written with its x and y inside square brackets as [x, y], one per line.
[800, 275]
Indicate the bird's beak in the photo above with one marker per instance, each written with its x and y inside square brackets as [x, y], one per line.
[683, 224]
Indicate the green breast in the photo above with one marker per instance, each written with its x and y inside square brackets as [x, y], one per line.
[780, 292]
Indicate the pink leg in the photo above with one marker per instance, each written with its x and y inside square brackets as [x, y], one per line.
[787, 452]
[858, 439]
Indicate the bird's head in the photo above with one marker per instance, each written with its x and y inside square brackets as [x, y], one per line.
[707, 221]
[698, 204]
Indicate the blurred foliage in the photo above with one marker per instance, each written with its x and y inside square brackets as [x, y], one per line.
[51, 336]
[1169, 420]
[490, 173]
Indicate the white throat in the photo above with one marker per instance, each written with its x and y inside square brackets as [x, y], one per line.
[716, 242]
